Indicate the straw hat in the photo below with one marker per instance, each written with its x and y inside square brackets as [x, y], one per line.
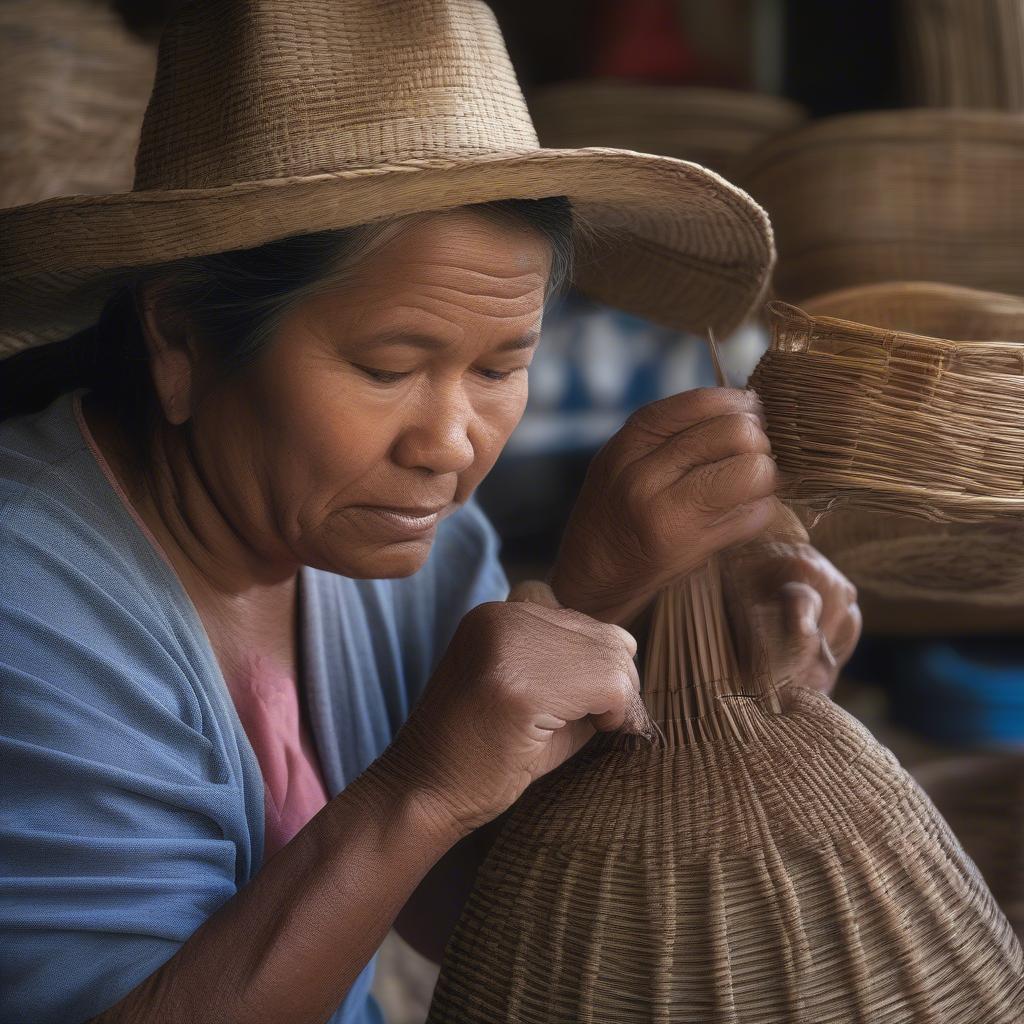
[75, 84]
[769, 863]
[904, 195]
[713, 127]
[916, 576]
[271, 118]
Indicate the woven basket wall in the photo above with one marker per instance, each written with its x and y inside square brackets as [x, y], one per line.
[768, 862]
[712, 127]
[965, 53]
[75, 84]
[982, 798]
[863, 417]
[915, 576]
[904, 195]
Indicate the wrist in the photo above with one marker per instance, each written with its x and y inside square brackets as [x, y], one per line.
[397, 791]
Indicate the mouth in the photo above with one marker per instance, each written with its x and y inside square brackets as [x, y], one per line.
[409, 520]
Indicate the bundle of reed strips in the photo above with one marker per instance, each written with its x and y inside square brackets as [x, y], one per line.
[882, 420]
[712, 127]
[933, 195]
[767, 861]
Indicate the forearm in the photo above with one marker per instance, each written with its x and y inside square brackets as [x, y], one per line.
[429, 917]
[289, 945]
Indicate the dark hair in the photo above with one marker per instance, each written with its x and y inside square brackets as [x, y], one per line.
[234, 301]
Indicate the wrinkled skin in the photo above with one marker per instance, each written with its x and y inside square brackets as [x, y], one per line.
[399, 389]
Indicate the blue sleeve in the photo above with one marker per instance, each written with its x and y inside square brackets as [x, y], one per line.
[121, 819]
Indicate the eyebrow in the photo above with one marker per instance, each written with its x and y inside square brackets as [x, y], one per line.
[430, 343]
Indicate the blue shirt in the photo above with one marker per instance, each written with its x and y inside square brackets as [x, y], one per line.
[131, 802]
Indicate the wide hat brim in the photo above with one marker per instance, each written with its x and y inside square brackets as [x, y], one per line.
[671, 241]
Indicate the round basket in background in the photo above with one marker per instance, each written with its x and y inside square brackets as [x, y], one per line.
[916, 576]
[928, 195]
[711, 127]
[965, 53]
[982, 799]
[75, 84]
[863, 417]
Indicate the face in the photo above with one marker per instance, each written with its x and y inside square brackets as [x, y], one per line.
[381, 404]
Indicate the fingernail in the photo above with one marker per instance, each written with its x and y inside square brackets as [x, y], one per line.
[808, 626]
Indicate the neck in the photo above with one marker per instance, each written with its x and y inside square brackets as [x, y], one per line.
[238, 591]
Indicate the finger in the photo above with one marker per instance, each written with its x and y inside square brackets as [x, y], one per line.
[802, 608]
[709, 441]
[653, 423]
[717, 488]
[535, 592]
[539, 600]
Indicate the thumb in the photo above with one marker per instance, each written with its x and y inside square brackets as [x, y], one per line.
[534, 591]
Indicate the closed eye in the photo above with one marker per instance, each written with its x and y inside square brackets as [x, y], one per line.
[382, 376]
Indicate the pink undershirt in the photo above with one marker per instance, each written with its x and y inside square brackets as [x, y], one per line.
[267, 701]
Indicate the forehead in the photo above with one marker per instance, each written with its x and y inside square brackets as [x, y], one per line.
[455, 266]
[466, 244]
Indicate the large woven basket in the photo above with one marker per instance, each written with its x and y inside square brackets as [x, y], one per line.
[906, 195]
[75, 84]
[916, 576]
[711, 127]
[966, 53]
[982, 798]
[768, 862]
[863, 417]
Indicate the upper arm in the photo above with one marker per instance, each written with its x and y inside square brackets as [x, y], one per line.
[117, 824]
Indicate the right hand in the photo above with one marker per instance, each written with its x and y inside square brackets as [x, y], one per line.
[523, 685]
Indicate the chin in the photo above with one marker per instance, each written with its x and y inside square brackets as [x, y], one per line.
[391, 561]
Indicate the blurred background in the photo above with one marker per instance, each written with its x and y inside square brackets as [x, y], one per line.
[885, 139]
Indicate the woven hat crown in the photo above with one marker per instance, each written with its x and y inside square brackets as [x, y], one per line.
[255, 90]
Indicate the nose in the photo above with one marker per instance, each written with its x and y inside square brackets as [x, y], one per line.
[437, 435]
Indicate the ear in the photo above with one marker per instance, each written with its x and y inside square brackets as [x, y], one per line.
[172, 352]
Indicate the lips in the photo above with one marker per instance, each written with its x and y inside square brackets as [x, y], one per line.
[409, 520]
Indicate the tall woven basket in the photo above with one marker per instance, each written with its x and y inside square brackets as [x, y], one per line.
[915, 575]
[712, 127]
[905, 195]
[767, 862]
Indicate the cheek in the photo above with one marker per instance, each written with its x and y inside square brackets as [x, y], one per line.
[498, 417]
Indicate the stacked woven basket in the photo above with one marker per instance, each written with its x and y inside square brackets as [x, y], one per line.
[896, 394]
[716, 128]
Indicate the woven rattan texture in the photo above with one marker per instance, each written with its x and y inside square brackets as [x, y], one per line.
[863, 417]
[922, 195]
[711, 127]
[784, 870]
[914, 575]
[798, 877]
[333, 114]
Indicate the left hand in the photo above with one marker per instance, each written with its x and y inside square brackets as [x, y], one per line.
[800, 606]
[686, 477]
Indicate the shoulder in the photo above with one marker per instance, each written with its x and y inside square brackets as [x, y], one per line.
[85, 603]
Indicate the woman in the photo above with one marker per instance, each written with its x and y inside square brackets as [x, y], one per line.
[262, 688]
